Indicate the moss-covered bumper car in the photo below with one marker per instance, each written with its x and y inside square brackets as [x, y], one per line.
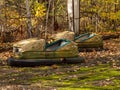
[84, 41]
[89, 40]
[34, 52]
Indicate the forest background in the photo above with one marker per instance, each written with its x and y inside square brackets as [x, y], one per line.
[21, 19]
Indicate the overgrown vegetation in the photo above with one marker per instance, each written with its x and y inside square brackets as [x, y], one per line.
[101, 77]
[97, 77]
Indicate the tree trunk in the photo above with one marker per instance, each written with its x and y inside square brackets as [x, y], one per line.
[77, 16]
[70, 14]
[73, 7]
[29, 19]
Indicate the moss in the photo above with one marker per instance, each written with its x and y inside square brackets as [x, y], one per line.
[80, 78]
[69, 88]
[83, 77]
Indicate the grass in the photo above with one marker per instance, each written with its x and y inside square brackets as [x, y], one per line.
[101, 77]
[85, 78]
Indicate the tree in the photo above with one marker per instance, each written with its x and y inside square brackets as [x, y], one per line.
[73, 7]
[29, 18]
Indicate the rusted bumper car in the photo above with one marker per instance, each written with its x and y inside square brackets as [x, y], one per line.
[34, 52]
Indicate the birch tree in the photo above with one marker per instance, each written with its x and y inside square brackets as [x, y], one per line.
[29, 18]
[73, 7]
[70, 14]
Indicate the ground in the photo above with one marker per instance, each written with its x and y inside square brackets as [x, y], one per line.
[100, 71]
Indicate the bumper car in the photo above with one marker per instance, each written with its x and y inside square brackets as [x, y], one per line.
[34, 52]
[89, 40]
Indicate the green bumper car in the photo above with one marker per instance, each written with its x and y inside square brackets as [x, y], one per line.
[89, 40]
[34, 52]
